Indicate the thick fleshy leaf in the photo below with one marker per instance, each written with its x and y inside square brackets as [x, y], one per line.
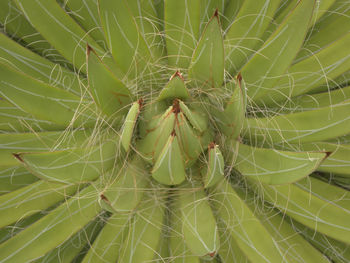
[37, 67]
[271, 166]
[71, 249]
[32, 96]
[169, 167]
[199, 227]
[213, 172]
[109, 93]
[250, 235]
[107, 245]
[278, 52]
[157, 135]
[197, 120]
[314, 73]
[243, 37]
[53, 229]
[125, 192]
[129, 124]
[309, 126]
[294, 247]
[38, 142]
[207, 63]
[144, 233]
[71, 166]
[31, 199]
[181, 24]
[189, 142]
[59, 29]
[14, 178]
[124, 39]
[230, 120]
[314, 203]
[86, 14]
[175, 88]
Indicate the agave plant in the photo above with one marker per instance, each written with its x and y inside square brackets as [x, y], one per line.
[174, 131]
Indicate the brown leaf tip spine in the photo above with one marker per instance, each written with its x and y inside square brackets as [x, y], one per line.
[212, 254]
[18, 157]
[140, 102]
[173, 133]
[216, 13]
[177, 74]
[176, 106]
[88, 49]
[211, 145]
[104, 198]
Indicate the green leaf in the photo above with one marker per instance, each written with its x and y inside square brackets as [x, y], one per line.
[59, 29]
[243, 37]
[125, 192]
[313, 74]
[14, 178]
[124, 38]
[271, 166]
[275, 56]
[214, 169]
[181, 24]
[169, 167]
[71, 166]
[30, 63]
[316, 204]
[199, 227]
[129, 124]
[175, 88]
[109, 93]
[30, 199]
[250, 235]
[144, 233]
[309, 126]
[32, 96]
[53, 229]
[108, 243]
[207, 63]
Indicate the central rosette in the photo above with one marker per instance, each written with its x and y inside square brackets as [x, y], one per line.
[172, 141]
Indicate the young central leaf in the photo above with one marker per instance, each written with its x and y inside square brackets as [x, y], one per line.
[169, 168]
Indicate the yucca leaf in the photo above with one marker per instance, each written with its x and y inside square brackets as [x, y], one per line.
[108, 243]
[53, 229]
[37, 67]
[315, 125]
[109, 93]
[169, 167]
[314, 73]
[124, 38]
[326, 209]
[32, 96]
[129, 124]
[14, 178]
[181, 24]
[275, 56]
[295, 248]
[243, 34]
[207, 63]
[17, 26]
[144, 234]
[36, 142]
[250, 235]
[86, 13]
[59, 29]
[71, 166]
[126, 190]
[175, 88]
[31, 199]
[271, 166]
[73, 247]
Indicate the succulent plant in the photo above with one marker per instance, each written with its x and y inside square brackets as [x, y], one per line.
[174, 131]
